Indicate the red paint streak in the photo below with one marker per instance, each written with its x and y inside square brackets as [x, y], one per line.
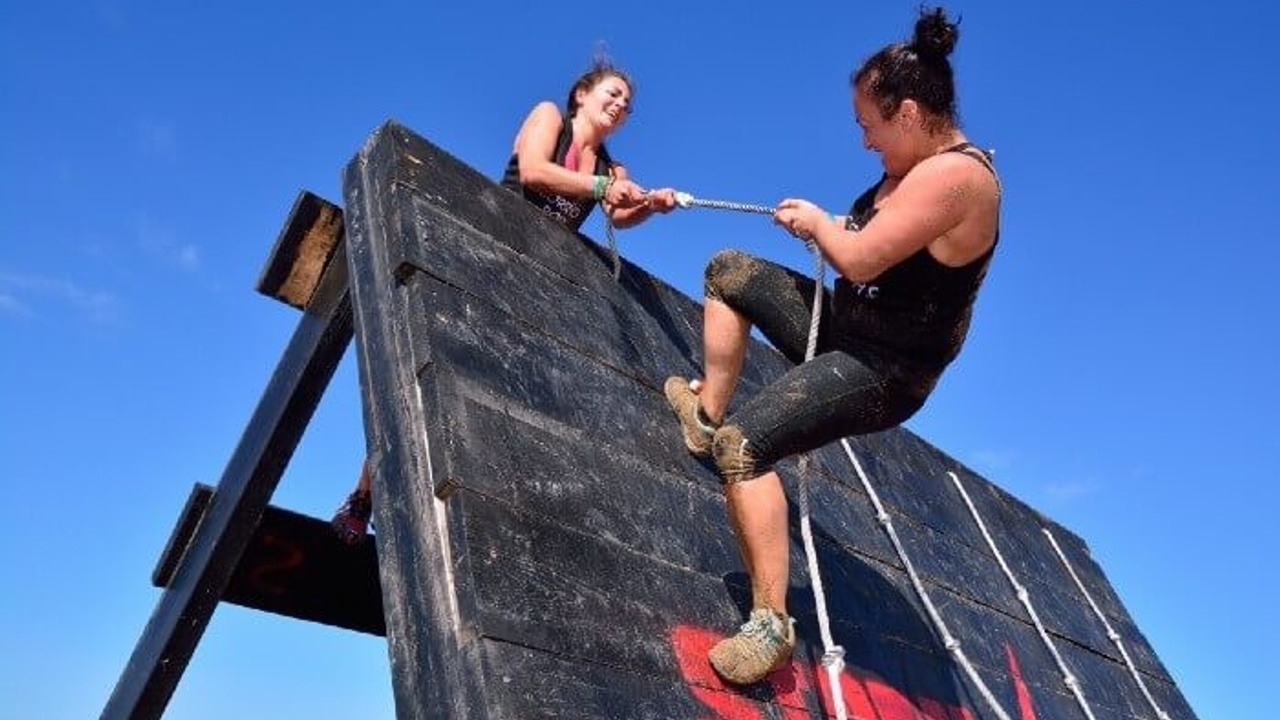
[856, 699]
[866, 698]
[285, 556]
[931, 709]
[889, 702]
[1025, 709]
[691, 645]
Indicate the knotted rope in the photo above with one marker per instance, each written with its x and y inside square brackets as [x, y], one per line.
[1024, 596]
[1112, 635]
[684, 200]
[832, 654]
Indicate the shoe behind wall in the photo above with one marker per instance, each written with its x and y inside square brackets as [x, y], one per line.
[351, 521]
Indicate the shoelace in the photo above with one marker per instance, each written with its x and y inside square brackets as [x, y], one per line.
[761, 628]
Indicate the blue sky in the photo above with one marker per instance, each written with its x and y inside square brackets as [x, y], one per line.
[1119, 377]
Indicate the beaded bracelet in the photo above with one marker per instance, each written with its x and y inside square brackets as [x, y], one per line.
[600, 186]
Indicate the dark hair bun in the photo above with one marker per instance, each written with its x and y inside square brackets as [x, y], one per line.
[935, 36]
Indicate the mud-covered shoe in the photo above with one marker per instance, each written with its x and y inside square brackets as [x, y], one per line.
[697, 431]
[351, 521]
[763, 644]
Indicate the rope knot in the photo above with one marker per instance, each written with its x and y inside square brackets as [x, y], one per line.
[834, 658]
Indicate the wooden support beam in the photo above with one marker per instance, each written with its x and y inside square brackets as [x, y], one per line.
[247, 483]
[294, 565]
[304, 249]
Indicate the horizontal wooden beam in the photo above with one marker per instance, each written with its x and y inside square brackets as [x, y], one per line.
[294, 565]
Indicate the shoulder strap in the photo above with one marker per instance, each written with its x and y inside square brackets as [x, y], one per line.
[604, 162]
[562, 141]
[969, 149]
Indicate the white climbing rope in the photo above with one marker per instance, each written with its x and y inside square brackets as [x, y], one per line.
[1068, 677]
[948, 640]
[685, 200]
[832, 654]
[1111, 633]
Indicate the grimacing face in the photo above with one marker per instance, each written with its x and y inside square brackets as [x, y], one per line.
[606, 105]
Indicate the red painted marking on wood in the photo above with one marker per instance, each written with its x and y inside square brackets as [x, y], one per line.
[288, 557]
[865, 698]
[889, 701]
[691, 645]
[1025, 708]
[856, 700]
[931, 709]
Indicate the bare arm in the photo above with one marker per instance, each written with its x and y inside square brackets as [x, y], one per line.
[946, 203]
[535, 148]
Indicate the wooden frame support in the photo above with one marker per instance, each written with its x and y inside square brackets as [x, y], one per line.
[294, 565]
[210, 558]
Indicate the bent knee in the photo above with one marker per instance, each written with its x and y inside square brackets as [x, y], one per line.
[733, 457]
[727, 274]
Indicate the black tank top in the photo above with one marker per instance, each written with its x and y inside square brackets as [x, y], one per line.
[569, 211]
[917, 312]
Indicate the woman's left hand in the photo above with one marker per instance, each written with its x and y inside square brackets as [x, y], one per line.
[663, 200]
[801, 218]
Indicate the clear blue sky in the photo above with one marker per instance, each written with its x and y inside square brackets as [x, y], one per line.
[1120, 376]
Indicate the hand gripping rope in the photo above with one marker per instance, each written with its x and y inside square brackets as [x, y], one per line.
[684, 200]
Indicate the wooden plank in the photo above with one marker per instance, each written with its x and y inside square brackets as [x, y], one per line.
[593, 490]
[306, 245]
[294, 565]
[547, 588]
[501, 365]
[290, 398]
[642, 329]
[550, 686]
[438, 672]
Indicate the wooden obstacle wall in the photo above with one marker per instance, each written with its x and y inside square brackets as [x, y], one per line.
[549, 550]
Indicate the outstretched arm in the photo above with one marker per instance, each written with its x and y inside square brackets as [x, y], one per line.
[535, 148]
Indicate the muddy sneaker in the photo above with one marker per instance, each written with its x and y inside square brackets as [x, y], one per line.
[763, 644]
[351, 522]
[697, 431]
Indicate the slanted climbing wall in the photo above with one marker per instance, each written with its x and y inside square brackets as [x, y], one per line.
[548, 549]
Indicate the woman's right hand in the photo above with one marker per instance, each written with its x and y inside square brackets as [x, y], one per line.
[623, 193]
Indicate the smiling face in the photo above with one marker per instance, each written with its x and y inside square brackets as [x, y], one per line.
[887, 137]
[605, 104]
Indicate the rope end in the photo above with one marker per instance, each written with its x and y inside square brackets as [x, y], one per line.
[684, 200]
